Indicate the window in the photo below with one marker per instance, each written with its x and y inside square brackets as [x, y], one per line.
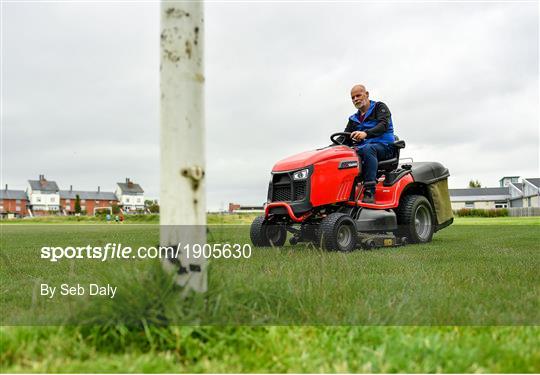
[529, 202]
[17, 208]
[38, 199]
[52, 199]
[68, 201]
[83, 200]
[469, 204]
[18, 201]
[127, 200]
[138, 200]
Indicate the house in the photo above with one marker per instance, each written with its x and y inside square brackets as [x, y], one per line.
[510, 193]
[130, 195]
[486, 198]
[526, 193]
[505, 181]
[43, 196]
[13, 202]
[90, 201]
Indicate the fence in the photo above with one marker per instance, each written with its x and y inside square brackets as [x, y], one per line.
[524, 211]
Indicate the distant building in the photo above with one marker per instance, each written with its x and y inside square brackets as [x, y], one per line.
[526, 193]
[13, 202]
[130, 195]
[43, 196]
[237, 208]
[505, 181]
[90, 200]
[511, 193]
[479, 198]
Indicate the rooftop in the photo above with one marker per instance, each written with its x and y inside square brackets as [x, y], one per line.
[43, 184]
[534, 181]
[90, 195]
[129, 187]
[479, 191]
[13, 194]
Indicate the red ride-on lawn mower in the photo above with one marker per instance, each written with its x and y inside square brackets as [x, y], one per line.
[317, 196]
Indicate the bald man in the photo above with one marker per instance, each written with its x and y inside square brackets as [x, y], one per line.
[371, 126]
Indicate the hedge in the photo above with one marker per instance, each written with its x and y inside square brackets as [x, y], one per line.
[480, 212]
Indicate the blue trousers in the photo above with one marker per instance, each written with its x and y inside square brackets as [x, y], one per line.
[370, 154]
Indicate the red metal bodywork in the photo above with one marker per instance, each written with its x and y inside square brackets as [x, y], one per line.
[330, 185]
[307, 158]
[386, 196]
[289, 211]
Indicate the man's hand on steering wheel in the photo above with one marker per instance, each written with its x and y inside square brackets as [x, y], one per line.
[358, 136]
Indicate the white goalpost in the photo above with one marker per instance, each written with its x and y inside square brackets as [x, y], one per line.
[182, 151]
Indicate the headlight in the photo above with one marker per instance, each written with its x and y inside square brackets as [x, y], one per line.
[301, 175]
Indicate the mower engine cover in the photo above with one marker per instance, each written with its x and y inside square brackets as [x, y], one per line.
[313, 178]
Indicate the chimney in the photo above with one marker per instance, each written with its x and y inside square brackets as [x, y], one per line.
[98, 189]
[6, 186]
[70, 188]
[127, 180]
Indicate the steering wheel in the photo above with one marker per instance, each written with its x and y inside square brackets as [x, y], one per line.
[340, 138]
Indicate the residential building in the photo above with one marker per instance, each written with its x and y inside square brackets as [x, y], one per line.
[531, 192]
[130, 196]
[13, 202]
[485, 198]
[510, 194]
[90, 201]
[506, 180]
[43, 196]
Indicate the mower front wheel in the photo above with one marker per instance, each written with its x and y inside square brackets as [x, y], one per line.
[264, 234]
[338, 232]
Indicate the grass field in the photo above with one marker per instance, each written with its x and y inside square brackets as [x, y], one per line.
[477, 272]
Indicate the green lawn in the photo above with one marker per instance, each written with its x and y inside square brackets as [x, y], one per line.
[477, 272]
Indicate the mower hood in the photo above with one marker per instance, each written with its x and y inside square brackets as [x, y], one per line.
[307, 158]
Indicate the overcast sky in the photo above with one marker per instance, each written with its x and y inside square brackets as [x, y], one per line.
[80, 88]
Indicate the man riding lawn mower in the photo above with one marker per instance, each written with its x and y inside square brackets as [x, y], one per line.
[317, 196]
[329, 196]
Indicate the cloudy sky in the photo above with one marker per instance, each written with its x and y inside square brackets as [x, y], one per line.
[80, 88]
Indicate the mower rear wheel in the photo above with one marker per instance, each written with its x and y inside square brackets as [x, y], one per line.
[263, 233]
[415, 219]
[338, 232]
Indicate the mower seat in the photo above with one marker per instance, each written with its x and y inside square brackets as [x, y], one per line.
[391, 164]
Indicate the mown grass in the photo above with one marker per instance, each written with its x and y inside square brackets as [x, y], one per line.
[488, 274]
[465, 264]
[271, 349]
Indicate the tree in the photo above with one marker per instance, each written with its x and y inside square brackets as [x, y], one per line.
[152, 206]
[77, 204]
[115, 209]
[475, 184]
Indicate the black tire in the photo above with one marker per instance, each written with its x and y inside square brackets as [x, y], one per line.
[415, 219]
[265, 234]
[338, 232]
